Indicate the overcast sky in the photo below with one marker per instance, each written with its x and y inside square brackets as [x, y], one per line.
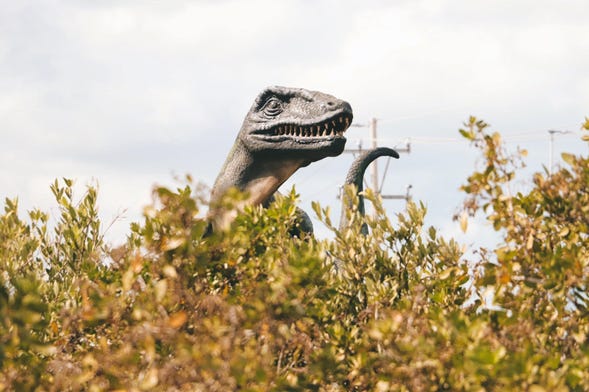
[130, 93]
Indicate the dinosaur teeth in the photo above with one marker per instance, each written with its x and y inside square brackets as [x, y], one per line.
[329, 128]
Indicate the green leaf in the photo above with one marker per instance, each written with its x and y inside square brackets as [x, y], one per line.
[568, 158]
[469, 135]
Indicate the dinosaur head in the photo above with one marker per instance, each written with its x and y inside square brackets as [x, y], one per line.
[298, 123]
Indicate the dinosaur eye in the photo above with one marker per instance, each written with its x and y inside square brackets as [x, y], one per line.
[272, 107]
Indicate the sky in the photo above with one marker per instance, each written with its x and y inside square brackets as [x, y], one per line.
[127, 94]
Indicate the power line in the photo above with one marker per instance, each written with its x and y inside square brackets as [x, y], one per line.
[426, 140]
[374, 140]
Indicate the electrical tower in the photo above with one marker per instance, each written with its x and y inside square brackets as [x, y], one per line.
[375, 184]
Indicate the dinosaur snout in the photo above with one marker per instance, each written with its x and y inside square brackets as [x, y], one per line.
[346, 106]
[336, 104]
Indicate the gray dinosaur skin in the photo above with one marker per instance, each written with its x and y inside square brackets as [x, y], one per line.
[355, 177]
[285, 129]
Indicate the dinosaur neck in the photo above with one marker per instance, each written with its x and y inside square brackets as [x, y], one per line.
[259, 177]
[265, 179]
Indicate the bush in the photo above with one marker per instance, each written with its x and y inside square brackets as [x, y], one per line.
[257, 309]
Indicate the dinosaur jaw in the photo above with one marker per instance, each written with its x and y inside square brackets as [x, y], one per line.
[330, 127]
[322, 138]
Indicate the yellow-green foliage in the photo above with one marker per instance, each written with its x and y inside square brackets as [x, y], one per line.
[255, 309]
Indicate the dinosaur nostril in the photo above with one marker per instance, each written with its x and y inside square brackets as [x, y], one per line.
[330, 105]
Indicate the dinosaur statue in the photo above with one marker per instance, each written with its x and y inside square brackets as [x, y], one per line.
[285, 129]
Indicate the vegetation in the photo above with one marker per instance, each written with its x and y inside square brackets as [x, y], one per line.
[255, 309]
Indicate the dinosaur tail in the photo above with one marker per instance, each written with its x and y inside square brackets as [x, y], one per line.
[356, 175]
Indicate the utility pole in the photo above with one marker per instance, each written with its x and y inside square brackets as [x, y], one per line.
[551, 147]
[373, 166]
[374, 170]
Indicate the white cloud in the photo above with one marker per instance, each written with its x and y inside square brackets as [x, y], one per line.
[128, 92]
